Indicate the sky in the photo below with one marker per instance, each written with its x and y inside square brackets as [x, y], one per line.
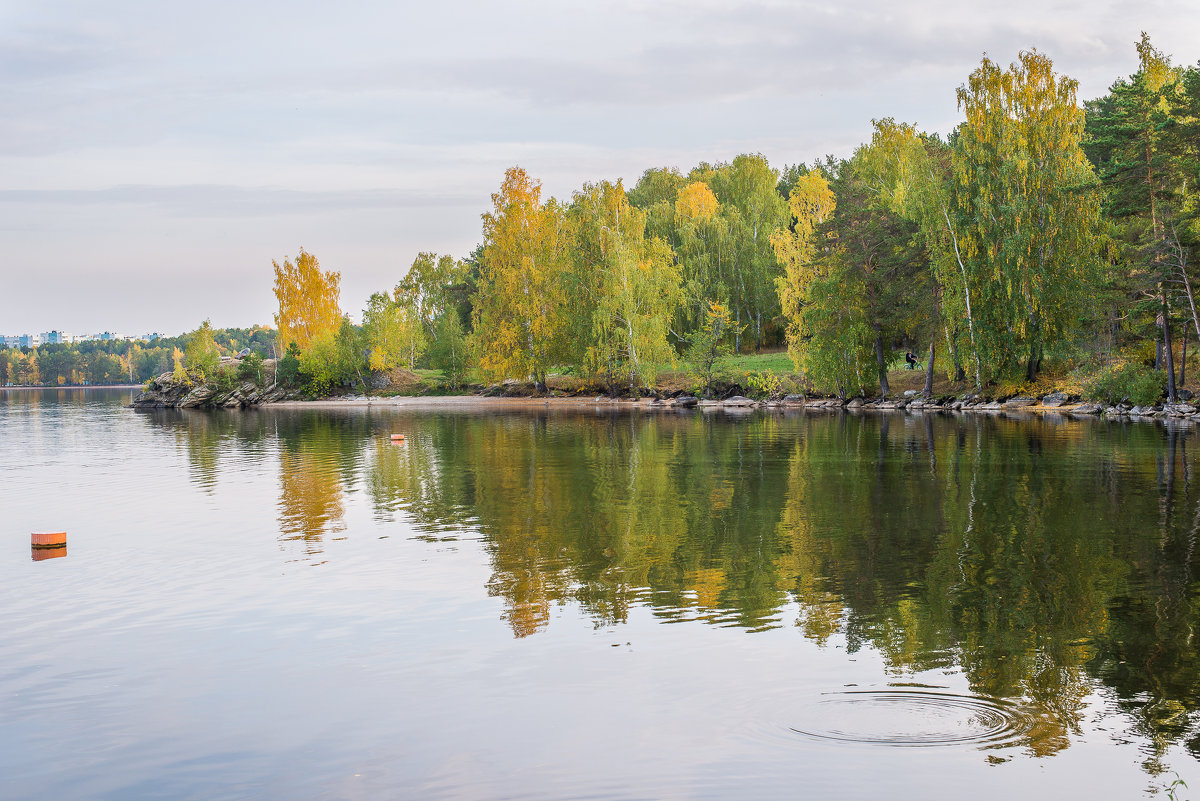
[156, 157]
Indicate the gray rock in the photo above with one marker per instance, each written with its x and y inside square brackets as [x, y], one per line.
[854, 403]
[1087, 409]
[910, 393]
[685, 401]
[1179, 409]
[1055, 399]
[739, 400]
[1019, 402]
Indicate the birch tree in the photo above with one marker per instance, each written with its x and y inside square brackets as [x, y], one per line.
[521, 315]
[308, 301]
[1025, 193]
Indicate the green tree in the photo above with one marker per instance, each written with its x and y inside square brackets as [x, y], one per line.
[1025, 192]
[874, 263]
[911, 171]
[203, 355]
[449, 351]
[335, 359]
[393, 332]
[630, 285]
[709, 343]
[1144, 174]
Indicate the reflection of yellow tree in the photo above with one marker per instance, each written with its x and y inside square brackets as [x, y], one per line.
[524, 503]
[800, 560]
[310, 497]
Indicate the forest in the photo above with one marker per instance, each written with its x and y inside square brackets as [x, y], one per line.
[117, 361]
[1044, 241]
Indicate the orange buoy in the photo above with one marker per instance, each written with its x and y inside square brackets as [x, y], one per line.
[49, 539]
[397, 438]
[40, 554]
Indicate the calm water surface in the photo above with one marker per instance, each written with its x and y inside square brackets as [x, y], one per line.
[575, 604]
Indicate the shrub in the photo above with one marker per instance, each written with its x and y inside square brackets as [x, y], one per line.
[251, 368]
[764, 384]
[225, 377]
[287, 369]
[1126, 383]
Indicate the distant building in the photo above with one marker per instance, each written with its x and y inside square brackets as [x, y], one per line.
[57, 338]
[64, 338]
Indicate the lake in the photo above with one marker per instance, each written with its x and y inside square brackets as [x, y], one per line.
[594, 604]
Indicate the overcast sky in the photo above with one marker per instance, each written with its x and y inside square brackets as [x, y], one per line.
[156, 156]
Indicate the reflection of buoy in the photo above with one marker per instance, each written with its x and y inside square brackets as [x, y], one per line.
[43, 540]
[397, 438]
[49, 553]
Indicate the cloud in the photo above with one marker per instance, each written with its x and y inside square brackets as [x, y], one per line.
[153, 133]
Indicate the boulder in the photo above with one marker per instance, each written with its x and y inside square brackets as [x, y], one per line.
[854, 403]
[685, 401]
[1016, 403]
[1179, 409]
[739, 400]
[1086, 409]
[1055, 399]
[910, 393]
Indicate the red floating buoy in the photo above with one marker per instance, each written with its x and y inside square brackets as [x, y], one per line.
[397, 438]
[48, 539]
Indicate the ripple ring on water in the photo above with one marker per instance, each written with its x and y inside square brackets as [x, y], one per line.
[915, 718]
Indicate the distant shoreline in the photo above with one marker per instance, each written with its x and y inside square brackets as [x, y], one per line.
[77, 386]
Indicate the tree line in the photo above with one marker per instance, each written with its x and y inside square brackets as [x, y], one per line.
[1041, 234]
[118, 361]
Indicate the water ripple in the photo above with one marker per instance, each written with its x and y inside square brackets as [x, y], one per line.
[914, 718]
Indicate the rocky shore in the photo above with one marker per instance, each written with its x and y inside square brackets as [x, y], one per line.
[165, 392]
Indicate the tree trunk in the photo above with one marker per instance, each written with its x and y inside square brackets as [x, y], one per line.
[929, 370]
[881, 363]
[1183, 359]
[967, 297]
[1170, 357]
[1035, 349]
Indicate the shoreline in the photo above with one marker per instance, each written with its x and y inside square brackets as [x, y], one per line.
[481, 403]
[77, 386]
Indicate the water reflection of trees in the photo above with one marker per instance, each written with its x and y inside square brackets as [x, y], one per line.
[1035, 556]
[320, 457]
